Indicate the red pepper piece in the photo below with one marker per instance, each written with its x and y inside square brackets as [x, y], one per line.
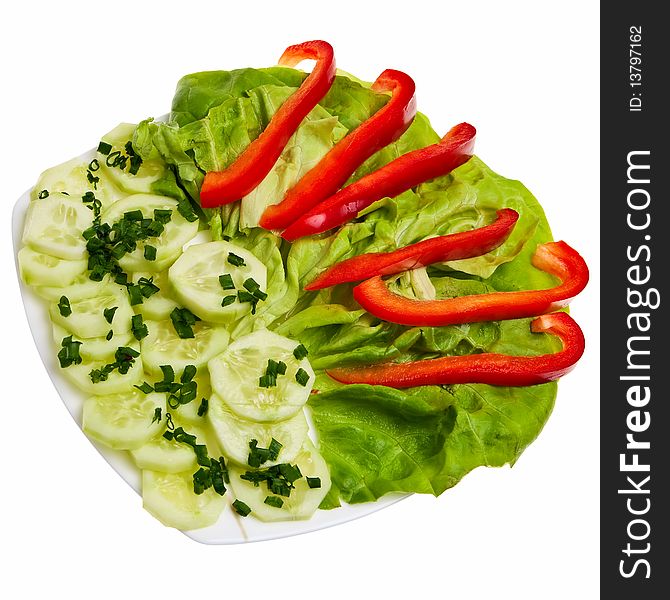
[556, 258]
[392, 179]
[258, 158]
[454, 246]
[491, 368]
[333, 170]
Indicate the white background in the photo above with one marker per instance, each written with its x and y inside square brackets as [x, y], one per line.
[526, 75]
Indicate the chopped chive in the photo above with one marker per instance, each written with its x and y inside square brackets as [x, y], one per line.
[236, 261]
[168, 373]
[109, 314]
[110, 335]
[43, 194]
[245, 296]
[202, 409]
[135, 294]
[186, 210]
[228, 300]
[274, 449]
[302, 377]
[147, 286]
[275, 501]
[300, 352]
[241, 508]
[183, 321]
[64, 306]
[145, 388]
[157, 414]
[260, 295]
[313, 482]
[188, 373]
[133, 215]
[149, 252]
[266, 381]
[94, 165]
[162, 215]
[226, 281]
[281, 368]
[69, 353]
[104, 148]
[251, 285]
[138, 327]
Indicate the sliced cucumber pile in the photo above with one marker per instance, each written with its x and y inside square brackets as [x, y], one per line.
[169, 497]
[122, 341]
[238, 372]
[303, 499]
[234, 433]
[164, 347]
[168, 244]
[209, 279]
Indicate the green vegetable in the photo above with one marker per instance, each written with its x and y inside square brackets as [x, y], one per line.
[64, 306]
[241, 508]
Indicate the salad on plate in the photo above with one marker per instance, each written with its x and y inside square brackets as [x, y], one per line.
[292, 295]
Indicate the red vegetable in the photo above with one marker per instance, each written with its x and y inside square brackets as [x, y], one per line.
[399, 175]
[333, 170]
[556, 258]
[491, 368]
[258, 158]
[447, 247]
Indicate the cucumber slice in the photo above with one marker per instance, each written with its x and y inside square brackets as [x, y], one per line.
[169, 456]
[303, 501]
[116, 383]
[88, 320]
[158, 306]
[40, 269]
[234, 434]
[149, 172]
[164, 347]
[94, 349]
[123, 421]
[54, 226]
[71, 177]
[195, 278]
[79, 288]
[168, 245]
[170, 498]
[236, 372]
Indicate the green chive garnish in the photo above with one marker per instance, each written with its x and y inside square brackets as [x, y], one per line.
[104, 148]
[183, 321]
[235, 260]
[302, 377]
[241, 508]
[157, 414]
[228, 300]
[138, 327]
[300, 352]
[149, 252]
[64, 306]
[313, 482]
[188, 373]
[109, 314]
[275, 501]
[226, 281]
[135, 294]
[145, 388]
[43, 194]
[202, 409]
[69, 353]
[110, 335]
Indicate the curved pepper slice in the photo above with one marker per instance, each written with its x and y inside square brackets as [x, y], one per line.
[392, 179]
[333, 170]
[258, 158]
[454, 246]
[556, 258]
[491, 368]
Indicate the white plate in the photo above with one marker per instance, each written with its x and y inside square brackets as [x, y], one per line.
[230, 528]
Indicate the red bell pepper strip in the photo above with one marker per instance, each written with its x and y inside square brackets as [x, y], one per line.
[333, 170]
[454, 246]
[258, 158]
[490, 368]
[392, 179]
[555, 258]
